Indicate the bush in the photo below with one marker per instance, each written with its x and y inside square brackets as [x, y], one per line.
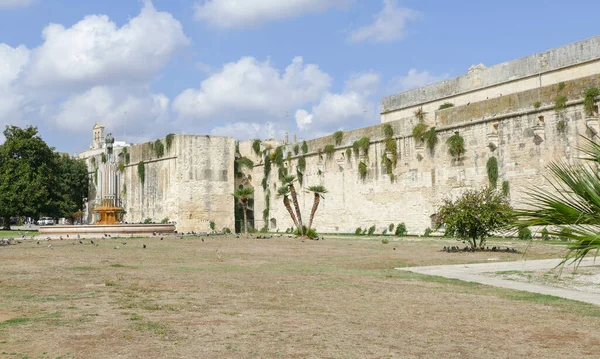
[388, 131]
[385, 241]
[165, 220]
[418, 131]
[212, 225]
[362, 170]
[492, 171]
[560, 103]
[159, 148]
[474, 216]
[456, 145]
[226, 230]
[169, 140]
[445, 105]
[304, 147]
[391, 227]
[371, 230]
[537, 104]
[524, 233]
[329, 151]
[427, 232]
[338, 136]
[148, 220]
[401, 230]
[358, 231]
[312, 233]
[545, 235]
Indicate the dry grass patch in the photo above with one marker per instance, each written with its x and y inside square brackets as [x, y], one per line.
[273, 298]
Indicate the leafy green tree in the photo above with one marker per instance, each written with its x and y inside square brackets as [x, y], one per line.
[70, 187]
[243, 195]
[473, 216]
[28, 169]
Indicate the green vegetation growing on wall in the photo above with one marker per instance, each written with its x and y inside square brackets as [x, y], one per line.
[392, 148]
[302, 164]
[388, 131]
[561, 86]
[169, 140]
[348, 153]
[296, 149]
[492, 171]
[256, 147]
[537, 104]
[446, 105]
[560, 103]
[363, 145]
[492, 146]
[456, 145]
[278, 156]
[338, 136]
[304, 147]
[159, 148]
[121, 167]
[418, 131]
[96, 175]
[561, 126]
[141, 167]
[103, 158]
[362, 170]
[420, 115]
[329, 151]
[505, 188]
[431, 139]
[589, 100]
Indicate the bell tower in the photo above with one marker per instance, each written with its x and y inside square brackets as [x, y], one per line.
[98, 136]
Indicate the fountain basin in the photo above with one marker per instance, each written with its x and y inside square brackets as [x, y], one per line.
[112, 230]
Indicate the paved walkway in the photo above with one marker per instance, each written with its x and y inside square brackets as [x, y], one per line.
[476, 273]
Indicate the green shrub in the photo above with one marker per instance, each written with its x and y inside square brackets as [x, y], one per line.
[561, 126]
[312, 233]
[148, 220]
[127, 158]
[121, 167]
[456, 145]
[169, 140]
[164, 220]
[296, 149]
[385, 241]
[256, 147]
[401, 230]
[505, 188]
[302, 164]
[362, 170]
[545, 234]
[391, 227]
[103, 158]
[371, 230]
[141, 171]
[590, 99]
[212, 225]
[363, 145]
[388, 131]
[159, 148]
[338, 136]
[427, 232]
[392, 148]
[304, 147]
[492, 171]
[446, 105]
[329, 151]
[473, 216]
[358, 231]
[561, 86]
[226, 230]
[431, 139]
[418, 131]
[537, 104]
[348, 153]
[279, 156]
[560, 103]
[524, 233]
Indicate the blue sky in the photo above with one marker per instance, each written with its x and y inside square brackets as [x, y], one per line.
[249, 68]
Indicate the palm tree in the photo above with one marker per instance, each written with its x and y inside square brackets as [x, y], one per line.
[284, 191]
[318, 192]
[572, 207]
[243, 194]
[289, 182]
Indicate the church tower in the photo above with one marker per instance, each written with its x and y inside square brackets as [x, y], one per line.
[98, 134]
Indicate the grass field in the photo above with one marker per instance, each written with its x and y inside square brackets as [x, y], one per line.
[268, 298]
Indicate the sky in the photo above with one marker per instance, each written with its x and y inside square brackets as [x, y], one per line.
[250, 68]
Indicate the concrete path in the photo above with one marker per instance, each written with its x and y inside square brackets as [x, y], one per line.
[476, 273]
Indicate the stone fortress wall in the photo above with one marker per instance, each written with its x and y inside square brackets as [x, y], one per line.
[191, 184]
[527, 140]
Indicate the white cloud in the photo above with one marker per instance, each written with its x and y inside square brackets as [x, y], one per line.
[250, 85]
[12, 61]
[388, 25]
[9, 4]
[244, 13]
[94, 51]
[303, 119]
[415, 79]
[249, 130]
[367, 83]
[133, 108]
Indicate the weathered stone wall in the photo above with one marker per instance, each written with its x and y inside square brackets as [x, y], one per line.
[561, 64]
[420, 185]
[190, 185]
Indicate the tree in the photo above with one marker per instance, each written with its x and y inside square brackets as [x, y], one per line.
[28, 171]
[284, 191]
[69, 188]
[318, 192]
[243, 195]
[474, 216]
[289, 182]
[571, 209]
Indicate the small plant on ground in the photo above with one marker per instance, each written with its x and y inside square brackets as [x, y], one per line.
[524, 233]
[446, 105]
[474, 216]
[492, 171]
[385, 241]
[427, 232]
[545, 235]
[371, 230]
[358, 231]
[226, 230]
[212, 225]
[338, 136]
[148, 220]
[401, 230]
[164, 220]
[456, 145]
[391, 227]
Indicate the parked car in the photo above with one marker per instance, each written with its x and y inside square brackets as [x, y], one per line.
[46, 221]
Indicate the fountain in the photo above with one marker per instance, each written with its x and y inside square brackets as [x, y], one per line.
[109, 212]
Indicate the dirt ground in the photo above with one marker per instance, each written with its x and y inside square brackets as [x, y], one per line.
[277, 297]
